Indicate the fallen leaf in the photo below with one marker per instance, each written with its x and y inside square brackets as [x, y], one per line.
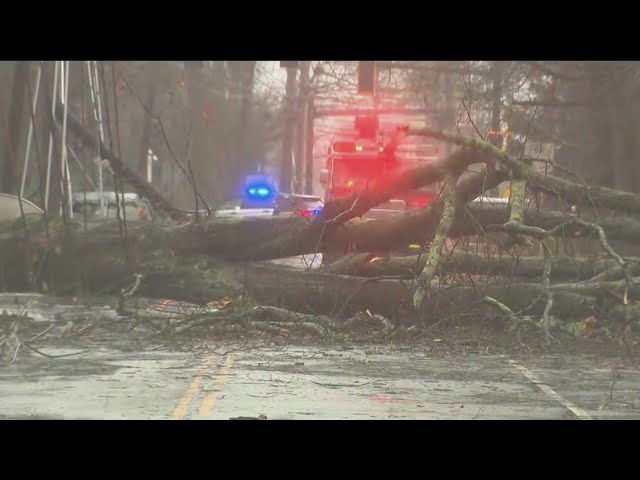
[575, 328]
[142, 213]
[207, 112]
[589, 324]
[221, 303]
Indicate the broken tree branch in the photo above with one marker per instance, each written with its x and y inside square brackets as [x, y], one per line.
[435, 250]
[563, 268]
[142, 188]
[584, 195]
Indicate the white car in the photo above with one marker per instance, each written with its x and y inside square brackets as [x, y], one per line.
[10, 207]
[135, 207]
[295, 204]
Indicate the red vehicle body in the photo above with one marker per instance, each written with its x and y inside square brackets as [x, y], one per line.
[354, 161]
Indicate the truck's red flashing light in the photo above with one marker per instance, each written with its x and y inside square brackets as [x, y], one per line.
[350, 147]
[310, 213]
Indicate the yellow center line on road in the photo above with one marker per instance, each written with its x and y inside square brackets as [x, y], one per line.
[210, 400]
[183, 405]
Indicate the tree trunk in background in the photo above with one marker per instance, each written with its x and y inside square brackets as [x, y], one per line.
[617, 148]
[220, 179]
[197, 155]
[12, 126]
[599, 173]
[286, 169]
[52, 135]
[247, 74]
[497, 73]
[622, 125]
[144, 142]
[239, 145]
[309, 139]
[302, 109]
[497, 77]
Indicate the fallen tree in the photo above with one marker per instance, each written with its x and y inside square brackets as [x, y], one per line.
[264, 238]
[204, 260]
[201, 279]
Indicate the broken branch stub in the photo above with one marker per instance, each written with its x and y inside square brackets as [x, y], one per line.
[435, 250]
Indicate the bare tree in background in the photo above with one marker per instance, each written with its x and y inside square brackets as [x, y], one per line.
[13, 123]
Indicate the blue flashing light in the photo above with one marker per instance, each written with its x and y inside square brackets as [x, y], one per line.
[260, 192]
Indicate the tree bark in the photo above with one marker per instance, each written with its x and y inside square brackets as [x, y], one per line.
[529, 268]
[584, 195]
[145, 139]
[286, 170]
[302, 106]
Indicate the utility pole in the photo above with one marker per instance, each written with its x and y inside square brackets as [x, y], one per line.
[289, 119]
[302, 129]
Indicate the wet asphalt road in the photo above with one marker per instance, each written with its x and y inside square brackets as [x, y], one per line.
[315, 383]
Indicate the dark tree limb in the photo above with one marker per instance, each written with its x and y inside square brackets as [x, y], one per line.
[140, 185]
[562, 268]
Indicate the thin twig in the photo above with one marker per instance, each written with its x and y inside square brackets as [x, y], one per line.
[53, 356]
[42, 333]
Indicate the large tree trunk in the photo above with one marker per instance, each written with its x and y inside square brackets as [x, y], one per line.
[531, 268]
[200, 279]
[249, 238]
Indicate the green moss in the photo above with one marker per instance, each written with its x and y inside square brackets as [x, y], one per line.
[434, 255]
